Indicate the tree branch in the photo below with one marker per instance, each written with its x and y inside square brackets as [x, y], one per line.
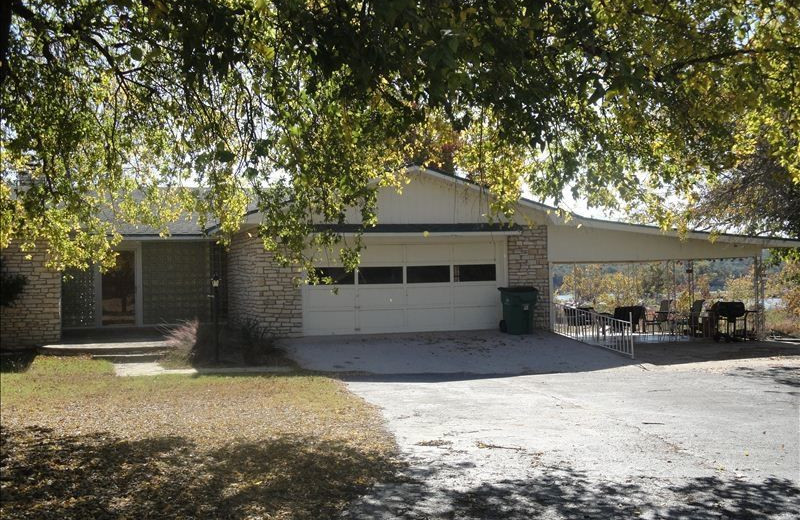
[711, 58]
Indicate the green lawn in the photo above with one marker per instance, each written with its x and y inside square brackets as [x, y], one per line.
[79, 442]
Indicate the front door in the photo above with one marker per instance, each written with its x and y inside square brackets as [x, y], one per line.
[119, 291]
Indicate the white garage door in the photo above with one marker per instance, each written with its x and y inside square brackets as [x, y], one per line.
[410, 288]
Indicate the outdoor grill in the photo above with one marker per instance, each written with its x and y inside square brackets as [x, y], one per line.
[730, 312]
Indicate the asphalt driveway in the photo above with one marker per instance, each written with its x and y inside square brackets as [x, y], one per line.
[602, 437]
[485, 352]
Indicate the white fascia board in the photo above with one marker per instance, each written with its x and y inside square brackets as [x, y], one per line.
[167, 238]
[765, 242]
[435, 234]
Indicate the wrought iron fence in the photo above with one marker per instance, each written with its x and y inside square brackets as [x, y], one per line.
[594, 328]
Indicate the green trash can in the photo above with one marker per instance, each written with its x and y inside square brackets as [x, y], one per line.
[518, 306]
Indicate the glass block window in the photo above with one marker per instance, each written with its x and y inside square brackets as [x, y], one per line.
[380, 275]
[176, 281]
[428, 274]
[475, 273]
[77, 298]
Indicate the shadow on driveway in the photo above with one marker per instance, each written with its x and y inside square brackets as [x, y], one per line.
[702, 350]
[564, 493]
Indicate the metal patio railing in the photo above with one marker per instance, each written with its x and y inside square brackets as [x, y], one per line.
[594, 328]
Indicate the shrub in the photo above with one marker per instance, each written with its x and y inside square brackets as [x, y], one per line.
[188, 342]
[11, 285]
[256, 342]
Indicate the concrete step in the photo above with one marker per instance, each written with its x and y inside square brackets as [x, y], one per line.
[130, 358]
[115, 348]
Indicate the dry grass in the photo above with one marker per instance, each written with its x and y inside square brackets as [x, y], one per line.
[782, 321]
[78, 442]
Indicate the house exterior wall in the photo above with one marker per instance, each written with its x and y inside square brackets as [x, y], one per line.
[431, 198]
[528, 265]
[260, 291]
[35, 318]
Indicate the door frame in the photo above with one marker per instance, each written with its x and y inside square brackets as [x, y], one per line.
[136, 247]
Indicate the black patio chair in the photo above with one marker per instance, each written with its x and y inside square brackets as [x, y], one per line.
[692, 323]
[663, 316]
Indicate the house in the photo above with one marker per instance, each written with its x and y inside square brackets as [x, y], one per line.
[433, 262]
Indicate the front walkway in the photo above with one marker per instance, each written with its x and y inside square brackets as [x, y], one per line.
[152, 368]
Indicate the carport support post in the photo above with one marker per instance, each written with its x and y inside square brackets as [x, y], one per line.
[552, 311]
[758, 294]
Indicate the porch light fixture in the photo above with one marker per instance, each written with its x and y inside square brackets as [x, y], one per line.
[215, 281]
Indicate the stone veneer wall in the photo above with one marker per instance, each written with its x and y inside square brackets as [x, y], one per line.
[35, 317]
[527, 265]
[260, 291]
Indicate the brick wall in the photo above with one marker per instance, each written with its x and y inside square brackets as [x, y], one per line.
[261, 291]
[35, 318]
[527, 265]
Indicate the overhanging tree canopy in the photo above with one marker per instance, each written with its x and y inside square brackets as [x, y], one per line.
[301, 104]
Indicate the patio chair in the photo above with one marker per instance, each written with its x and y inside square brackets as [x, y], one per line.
[691, 323]
[694, 321]
[661, 317]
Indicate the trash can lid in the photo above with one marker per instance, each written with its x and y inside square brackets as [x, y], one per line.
[518, 289]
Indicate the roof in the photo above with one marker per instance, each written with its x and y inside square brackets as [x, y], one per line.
[581, 221]
[420, 228]
[190, 228]
[187, 227]
[181, 228]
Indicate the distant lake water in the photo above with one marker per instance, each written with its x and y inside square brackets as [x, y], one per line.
[773, 303]
[769, 303]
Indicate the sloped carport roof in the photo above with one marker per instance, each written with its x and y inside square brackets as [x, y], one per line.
[580, 239]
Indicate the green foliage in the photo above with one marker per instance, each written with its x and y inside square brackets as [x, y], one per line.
[741, 289]
[11, 286]
[785, 284]
[757, 197]
[120, 108]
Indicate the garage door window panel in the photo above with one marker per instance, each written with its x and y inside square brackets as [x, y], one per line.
[338, 275]
[428, 274]
[475, 273]
[380, 275]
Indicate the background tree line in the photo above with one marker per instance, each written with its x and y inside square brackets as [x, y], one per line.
[607, 286]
